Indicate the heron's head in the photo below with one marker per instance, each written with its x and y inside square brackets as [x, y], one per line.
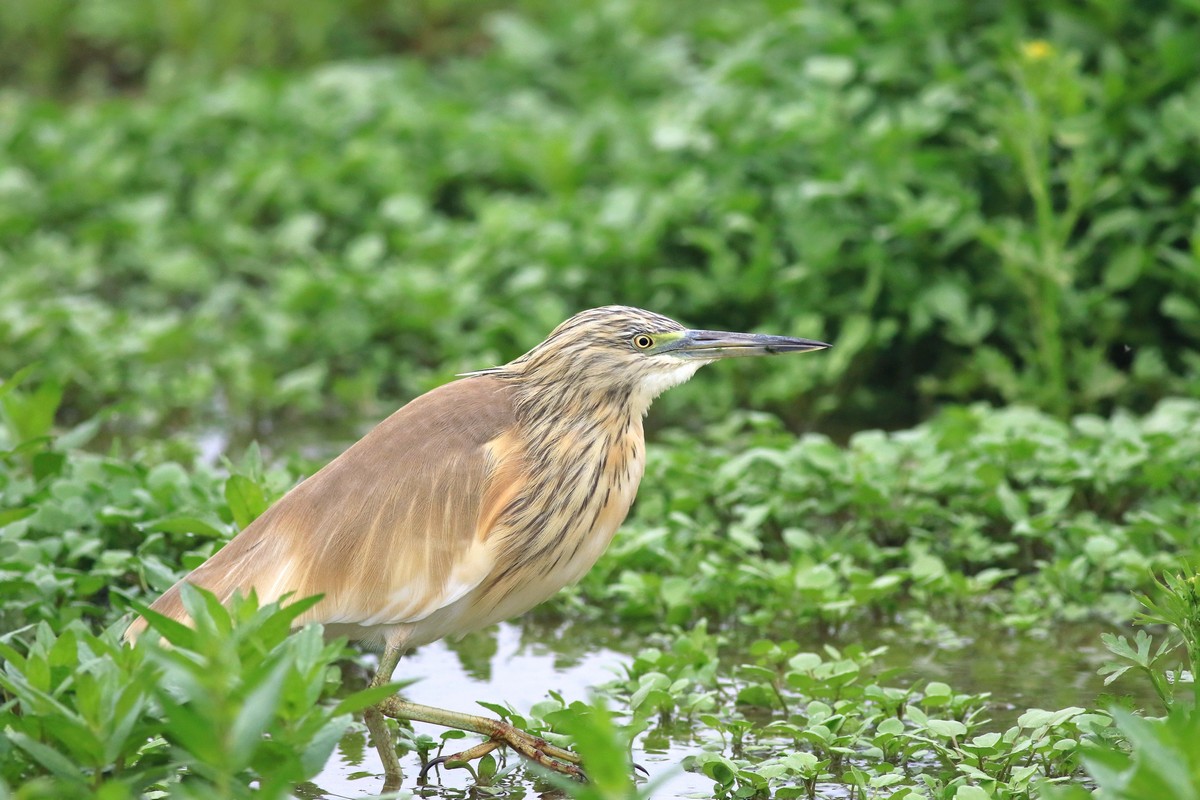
[639, 354]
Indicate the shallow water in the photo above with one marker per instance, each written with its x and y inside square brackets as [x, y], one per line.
[519, 664]
[519, 672]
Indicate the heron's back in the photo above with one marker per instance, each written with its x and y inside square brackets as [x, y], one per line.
[382, 525]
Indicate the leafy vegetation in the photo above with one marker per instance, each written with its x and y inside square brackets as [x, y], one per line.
[219, 224]
[230, 709]
[1009, 511]
[976, 201]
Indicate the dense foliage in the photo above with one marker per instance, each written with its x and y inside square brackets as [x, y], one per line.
[1009, 516]
[972, 201]
[221, 221]
[1010, 510]
[1067, 518]
[235, 703]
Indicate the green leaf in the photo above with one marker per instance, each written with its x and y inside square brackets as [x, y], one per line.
[11, 515]
[370, 696]
[972, 793]
[53, 761]
[245, 498]
[173, 631]
[322, 743]
[503, 712]
[185, 524]
[31, 415]
[948, 728]
[16, 379]
[48, 464]
[257, 712]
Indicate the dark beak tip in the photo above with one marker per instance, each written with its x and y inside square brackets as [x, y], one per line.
[804, 346]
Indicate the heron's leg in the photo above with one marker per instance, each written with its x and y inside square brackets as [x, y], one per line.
[377, 725]
[534, 748]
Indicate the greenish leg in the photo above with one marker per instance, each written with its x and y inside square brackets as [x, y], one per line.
[377, 725]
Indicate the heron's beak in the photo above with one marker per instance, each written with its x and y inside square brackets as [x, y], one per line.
[719, 344]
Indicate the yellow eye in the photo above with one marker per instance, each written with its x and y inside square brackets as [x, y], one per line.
[641, 341]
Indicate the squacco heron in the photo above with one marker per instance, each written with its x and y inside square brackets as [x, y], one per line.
[473, 503]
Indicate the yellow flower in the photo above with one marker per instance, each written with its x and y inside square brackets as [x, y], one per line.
[1037, 50]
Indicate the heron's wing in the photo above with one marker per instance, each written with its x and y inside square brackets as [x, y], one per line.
[391, 530]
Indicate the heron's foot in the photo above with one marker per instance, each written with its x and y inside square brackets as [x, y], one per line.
[533, 748]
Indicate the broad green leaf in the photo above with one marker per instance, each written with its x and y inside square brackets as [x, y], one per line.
[245, 498]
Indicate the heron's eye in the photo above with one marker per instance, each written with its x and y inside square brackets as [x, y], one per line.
[642, 341]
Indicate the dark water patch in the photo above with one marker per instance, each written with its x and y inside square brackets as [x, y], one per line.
[1050, 667]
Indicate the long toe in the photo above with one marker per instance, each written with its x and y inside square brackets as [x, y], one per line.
[470, 754]
[541, 752]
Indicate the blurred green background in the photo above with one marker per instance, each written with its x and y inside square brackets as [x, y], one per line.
[244, 214]
[272, 220]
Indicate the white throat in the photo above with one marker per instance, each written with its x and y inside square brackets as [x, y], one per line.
[655, 384]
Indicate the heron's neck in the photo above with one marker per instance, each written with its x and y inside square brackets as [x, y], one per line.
[583, 457]
[574, 396]
[543, 407]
